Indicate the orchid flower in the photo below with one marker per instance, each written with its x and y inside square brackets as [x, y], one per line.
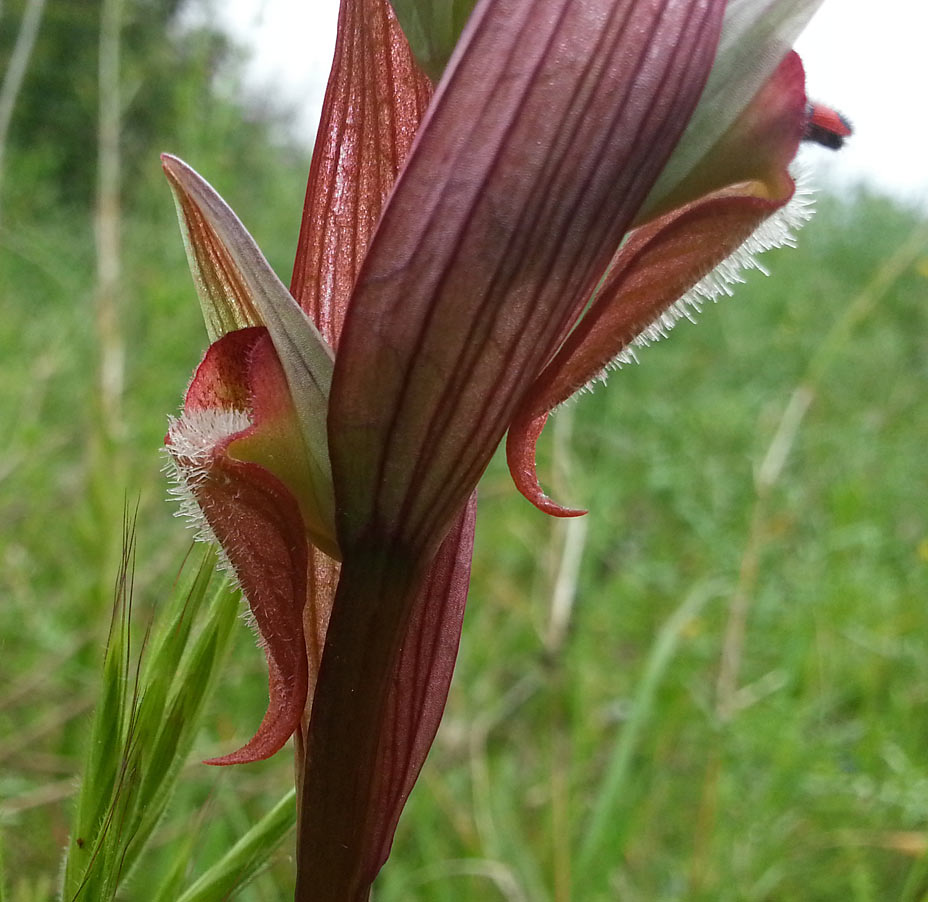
[472, 254]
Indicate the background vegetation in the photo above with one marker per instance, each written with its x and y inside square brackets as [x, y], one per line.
[713, 687]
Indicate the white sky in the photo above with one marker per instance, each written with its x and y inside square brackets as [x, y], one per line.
[867, 59]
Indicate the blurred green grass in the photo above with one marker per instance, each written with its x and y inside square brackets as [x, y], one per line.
[809, 782]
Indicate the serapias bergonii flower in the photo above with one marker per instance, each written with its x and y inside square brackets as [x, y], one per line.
[579, 170]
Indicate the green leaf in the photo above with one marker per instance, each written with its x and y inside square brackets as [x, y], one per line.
[432, 28]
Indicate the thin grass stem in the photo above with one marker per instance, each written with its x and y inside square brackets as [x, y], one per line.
[246, 858]
[595, 842]
[16, 72]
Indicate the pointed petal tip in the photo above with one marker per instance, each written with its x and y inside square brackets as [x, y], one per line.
[259, 748]
[172, 165]
[550, 507]
[520, 455]
[280, 721]
[287, 701]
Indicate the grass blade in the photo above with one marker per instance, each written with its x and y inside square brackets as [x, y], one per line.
[143, 733]
[242, 862]
[192, 684]
[103, 759]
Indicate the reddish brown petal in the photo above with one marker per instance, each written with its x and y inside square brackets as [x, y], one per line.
[375, 99]
[421, 680]
[758, 147]
[221, 380]
[250, 512]
[275, 441]
[657, 266]
[259, 527]
[261, 532]
[663, 260]
[543, 139]
[374, 102]
[242, 372]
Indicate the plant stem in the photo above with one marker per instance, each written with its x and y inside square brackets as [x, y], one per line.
[597, 836]
[16, 69]
[108, 225]
[335, 860]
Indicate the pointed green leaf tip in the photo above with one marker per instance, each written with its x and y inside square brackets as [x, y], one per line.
[432, 28]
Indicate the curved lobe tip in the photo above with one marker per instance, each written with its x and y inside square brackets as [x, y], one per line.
[520, 455]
